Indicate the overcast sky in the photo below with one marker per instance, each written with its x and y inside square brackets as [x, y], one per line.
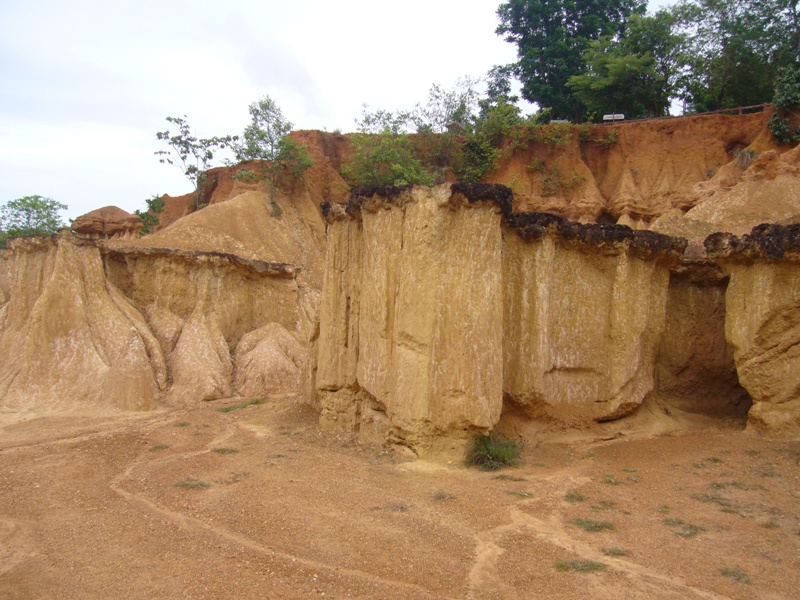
[85, 84]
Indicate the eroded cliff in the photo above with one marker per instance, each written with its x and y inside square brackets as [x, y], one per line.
[421, 315]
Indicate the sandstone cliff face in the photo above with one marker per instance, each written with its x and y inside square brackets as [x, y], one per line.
[584, 312]
[70, 337]
[409, 345]
[432, 310]
[762, 320]
[199, 306]
[695, 367]
[86, 325]
[630, 173]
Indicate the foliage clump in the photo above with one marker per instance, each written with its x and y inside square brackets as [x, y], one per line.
[30, 215]
[150, 218]
[787, 104]
[266, 140]
[491, 452]
[190, 154]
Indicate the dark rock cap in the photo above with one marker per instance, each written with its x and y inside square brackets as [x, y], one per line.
[764, 242]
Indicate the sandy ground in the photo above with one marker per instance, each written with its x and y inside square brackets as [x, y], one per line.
[257, 503]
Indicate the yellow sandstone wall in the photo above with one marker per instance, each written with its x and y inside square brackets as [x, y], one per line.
[432, 309]
[762, 320]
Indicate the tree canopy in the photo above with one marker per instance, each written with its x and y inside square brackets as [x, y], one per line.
[31, 215]
[551, 37]
[600, 56]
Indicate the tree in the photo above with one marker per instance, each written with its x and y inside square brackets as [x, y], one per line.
[149, 217]
[732, 51]
[787, 106]
[636, 73]
[266, 139]
[551, 36]
[192, 155]
[31, 215]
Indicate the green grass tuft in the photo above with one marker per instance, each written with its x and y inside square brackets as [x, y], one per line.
[157, 447]
[574, 497]
[736, 574]
[182, 424]
[491, 452]
[581, 565]
[442, 496]
[615, 551]
[521, 494]
[224, 450]
[245, 404]
[190, 483]
[509, 478]
[593, 526]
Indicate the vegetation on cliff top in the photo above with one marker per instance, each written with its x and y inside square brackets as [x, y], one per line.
[30, 215]
[600, 56]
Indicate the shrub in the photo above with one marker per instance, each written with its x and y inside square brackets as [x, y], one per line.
[581, 565]
[491, 452]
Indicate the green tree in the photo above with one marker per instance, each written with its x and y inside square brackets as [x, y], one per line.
[266, 140]
[551, 37]
[787, 106]
[636, 73]
[149, 218]
[731, 51]
[30, 215]
[384, 153]
[192, 155]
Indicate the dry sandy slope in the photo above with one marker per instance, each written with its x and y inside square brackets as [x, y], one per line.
[89, 508]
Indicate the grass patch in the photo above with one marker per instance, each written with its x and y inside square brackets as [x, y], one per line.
[190, 483]
[722, 501]
[505, 477]
[610, 479]
[521, 494]
[574, 497]
[225, 450]
[771, 524]
[182, 424]
[685, 530]
[157, 447]
[664, 509]
[736, 574]
[592, 525]
[615, 551]
[491, 452]
[603, 505]
[581, 565]
[752, 452]
[442, 496]
[245, 404]
[715, 460]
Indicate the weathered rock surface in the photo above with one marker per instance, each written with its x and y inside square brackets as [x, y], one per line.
[107, 223]
[630, 173]
[89, 325]
[695, 367]
[762, 320]
[432, 310]
[410, 345]
[584, 312]
[269, 360]
[69, 336]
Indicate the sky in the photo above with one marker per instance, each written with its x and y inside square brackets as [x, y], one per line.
[85, 85]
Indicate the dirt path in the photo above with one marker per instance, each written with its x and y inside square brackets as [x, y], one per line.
[256, 503]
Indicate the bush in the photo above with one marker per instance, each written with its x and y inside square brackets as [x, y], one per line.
[786, 101]
[385, 159]
[491, 452]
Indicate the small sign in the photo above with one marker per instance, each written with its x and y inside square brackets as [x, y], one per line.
[614, 117]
